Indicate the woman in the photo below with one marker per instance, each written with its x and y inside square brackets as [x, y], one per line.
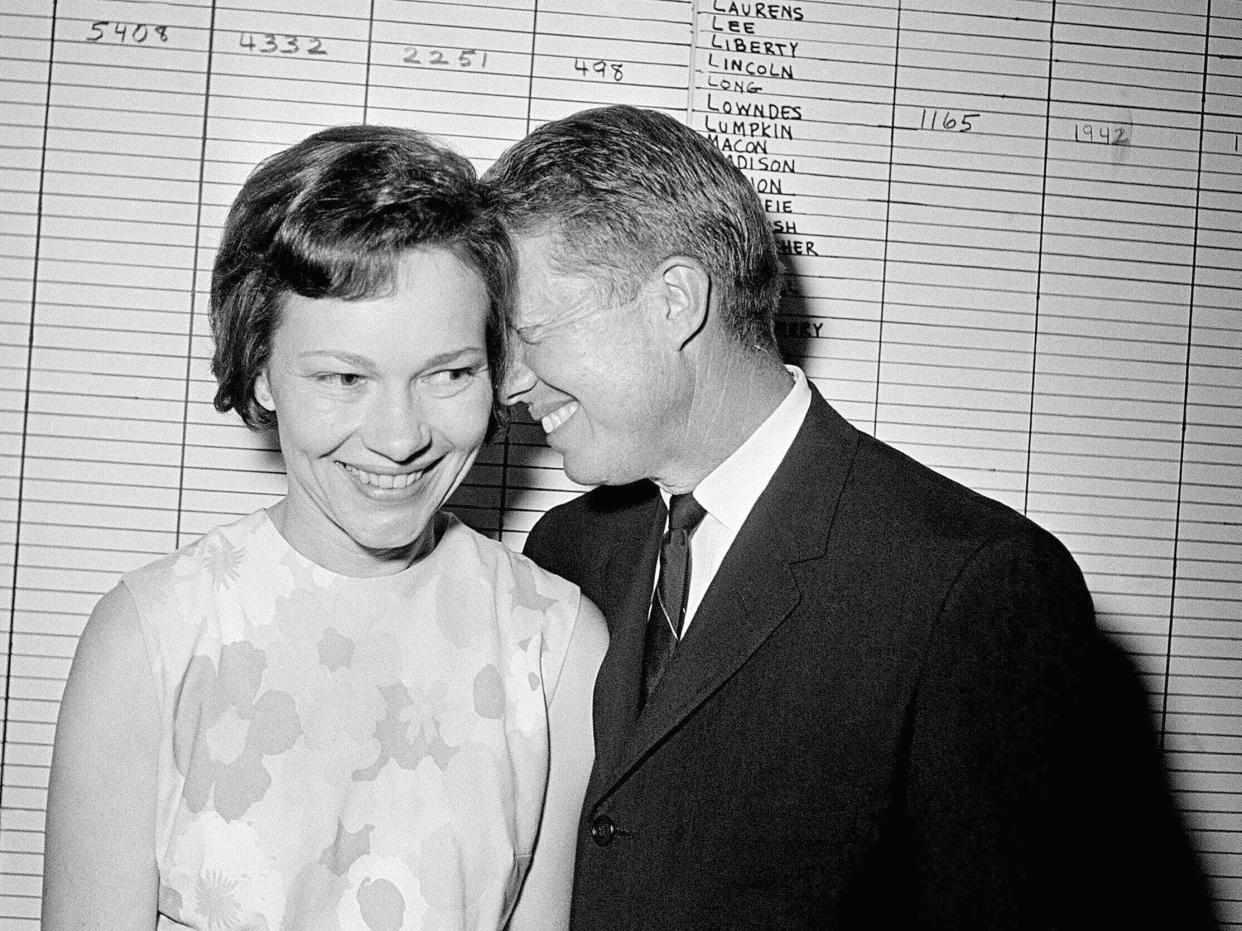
[336, 712]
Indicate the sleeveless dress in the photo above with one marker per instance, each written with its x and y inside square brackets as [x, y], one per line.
[348, 753]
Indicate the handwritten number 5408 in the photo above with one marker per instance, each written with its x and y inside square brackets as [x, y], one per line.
[136, 33]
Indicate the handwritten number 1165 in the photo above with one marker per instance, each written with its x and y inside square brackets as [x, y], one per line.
[947, 120]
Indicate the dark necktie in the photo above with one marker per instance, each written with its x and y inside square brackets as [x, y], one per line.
[668, 604]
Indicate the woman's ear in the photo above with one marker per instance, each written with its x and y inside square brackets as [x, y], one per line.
[686, 291]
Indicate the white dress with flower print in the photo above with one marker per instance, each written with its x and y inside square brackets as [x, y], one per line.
[348, 753]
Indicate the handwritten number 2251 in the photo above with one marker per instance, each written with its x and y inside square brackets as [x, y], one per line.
[427, 57]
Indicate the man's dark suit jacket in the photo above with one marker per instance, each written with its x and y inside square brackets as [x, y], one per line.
[893, 709]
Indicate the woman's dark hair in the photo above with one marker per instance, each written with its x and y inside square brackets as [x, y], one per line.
[330, 217]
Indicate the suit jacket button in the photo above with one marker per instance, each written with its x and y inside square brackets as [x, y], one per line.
[603, 830]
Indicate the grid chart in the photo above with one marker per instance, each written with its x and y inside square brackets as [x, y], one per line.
[1014, 232]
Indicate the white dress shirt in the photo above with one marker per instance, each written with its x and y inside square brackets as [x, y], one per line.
[730, 491]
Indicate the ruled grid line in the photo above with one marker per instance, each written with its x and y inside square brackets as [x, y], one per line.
[1181, 462]
[194, 291]
[888, 213]
[21, 472]
[507, 440]
[1101, 475]
[1039, 267]
[366, 91]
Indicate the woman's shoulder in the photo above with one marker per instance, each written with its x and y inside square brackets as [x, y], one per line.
[218, 552]
[529, 581]
[174, 595]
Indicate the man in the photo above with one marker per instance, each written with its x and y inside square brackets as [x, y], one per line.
[885, 703]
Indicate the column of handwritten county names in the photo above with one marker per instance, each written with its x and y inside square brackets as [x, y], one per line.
[1203, 713]
[799, 96]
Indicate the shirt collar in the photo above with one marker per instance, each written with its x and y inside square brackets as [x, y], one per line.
[730, 491]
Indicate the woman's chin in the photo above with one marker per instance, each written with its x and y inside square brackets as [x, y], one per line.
[389, 543]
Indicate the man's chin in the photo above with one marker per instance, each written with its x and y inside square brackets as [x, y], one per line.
[590, 473]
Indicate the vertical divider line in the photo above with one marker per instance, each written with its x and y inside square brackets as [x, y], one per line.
[694, 62]
[530, 75]
[1039, 259]
[888, 212]
[1190, 338]
[198, 236]
[21, 467]
[505, 445]
[504, 485]
[366, 87]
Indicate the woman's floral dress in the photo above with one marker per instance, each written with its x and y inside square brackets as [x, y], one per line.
[348, 753]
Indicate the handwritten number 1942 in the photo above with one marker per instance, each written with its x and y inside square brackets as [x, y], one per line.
[1102, 133]
[135, 33]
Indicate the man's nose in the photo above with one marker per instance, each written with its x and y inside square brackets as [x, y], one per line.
[519, 379]
[397, 426]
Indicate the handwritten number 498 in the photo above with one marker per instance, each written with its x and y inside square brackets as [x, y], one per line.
[600, 70]
[137, 33]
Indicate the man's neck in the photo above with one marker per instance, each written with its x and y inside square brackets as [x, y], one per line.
[733, 394]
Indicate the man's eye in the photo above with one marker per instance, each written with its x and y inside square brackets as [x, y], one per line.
[341, 379]
[527, 335]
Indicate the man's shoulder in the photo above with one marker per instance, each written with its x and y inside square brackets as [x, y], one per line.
[601, 505]
[586, 525]
[892, 504]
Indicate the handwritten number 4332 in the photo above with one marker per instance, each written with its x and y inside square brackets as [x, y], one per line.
[268, 43]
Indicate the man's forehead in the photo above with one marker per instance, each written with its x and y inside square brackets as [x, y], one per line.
[548, 295]
[553, 305]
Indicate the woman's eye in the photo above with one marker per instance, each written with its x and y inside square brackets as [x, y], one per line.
[449, 378]
[342, 379]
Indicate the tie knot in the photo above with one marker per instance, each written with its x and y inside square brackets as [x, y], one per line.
[684, 513]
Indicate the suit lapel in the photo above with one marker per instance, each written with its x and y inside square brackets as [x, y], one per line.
[753, 592]
[627, 574]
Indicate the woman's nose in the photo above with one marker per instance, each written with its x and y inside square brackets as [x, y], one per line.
[397, 427]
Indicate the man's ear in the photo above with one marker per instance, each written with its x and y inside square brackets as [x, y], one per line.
[686, 293]
[263, 390]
